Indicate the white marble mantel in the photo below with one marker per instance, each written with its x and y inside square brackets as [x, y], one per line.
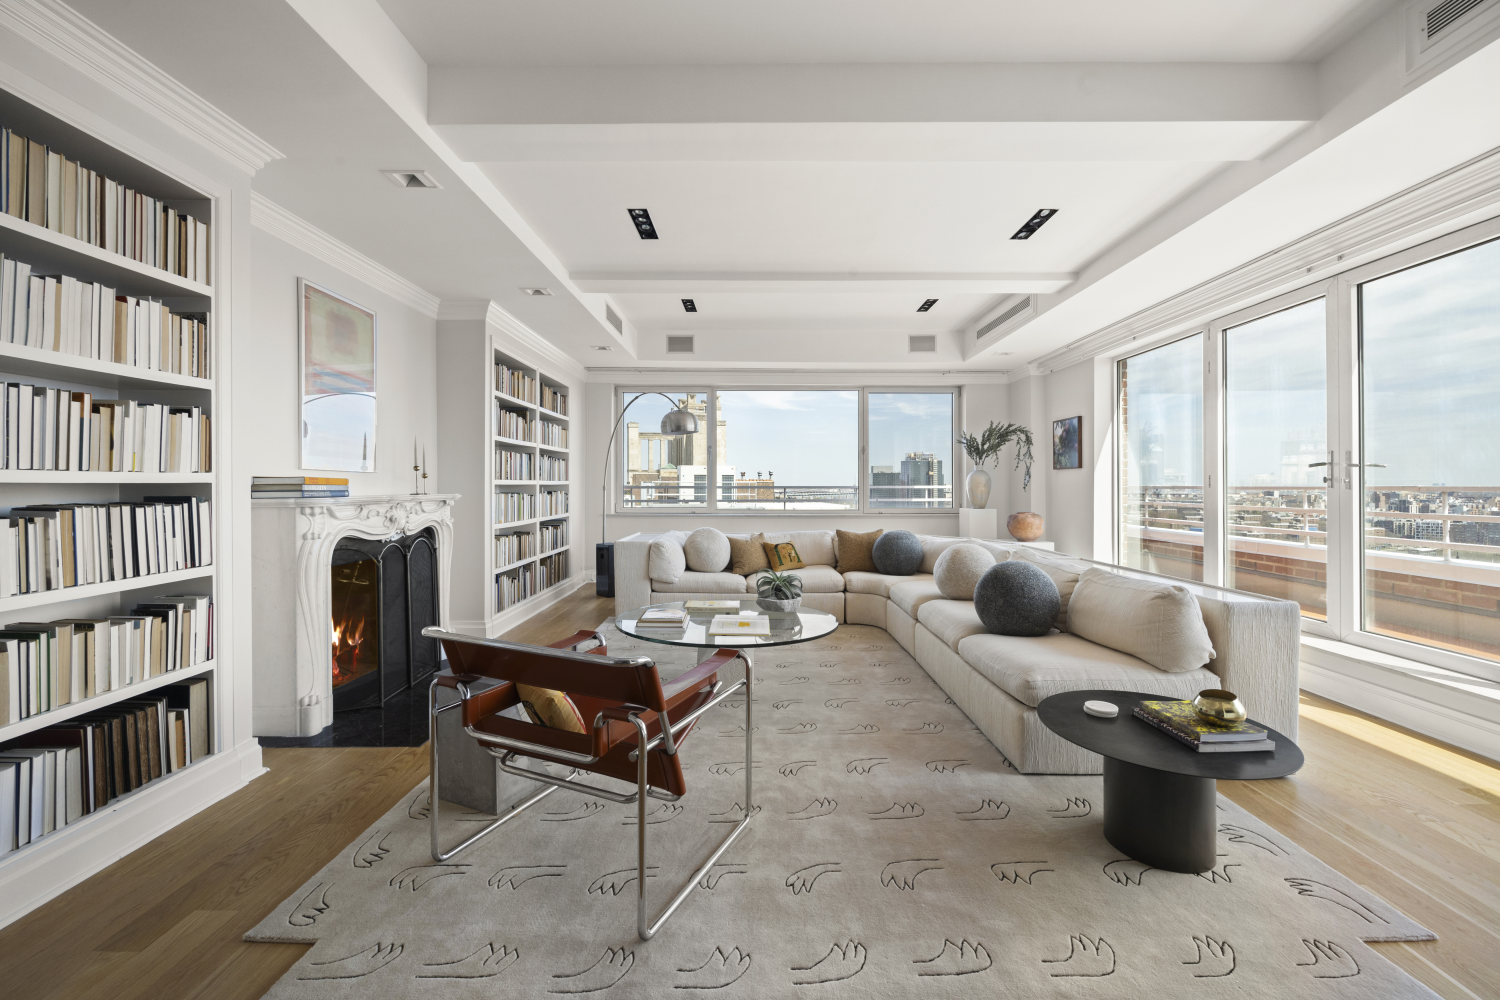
[293, 542]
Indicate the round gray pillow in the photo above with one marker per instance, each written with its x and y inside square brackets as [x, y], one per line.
[897, 553]
[959, 568]
[1017, 598]
[707, 550]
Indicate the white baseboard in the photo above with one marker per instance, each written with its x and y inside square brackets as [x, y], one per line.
[511, 617]
[1459, 710]
[40, 872]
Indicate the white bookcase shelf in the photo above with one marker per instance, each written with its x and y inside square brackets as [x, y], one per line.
[17, 359]
[99, 701]
[45, 250]
[58, 596]
[123, 478]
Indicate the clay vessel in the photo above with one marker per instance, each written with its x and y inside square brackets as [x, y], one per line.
[1025, 526]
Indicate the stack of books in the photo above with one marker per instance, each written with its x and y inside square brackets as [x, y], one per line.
[662, 620]
[1179, 720]
[294, 487]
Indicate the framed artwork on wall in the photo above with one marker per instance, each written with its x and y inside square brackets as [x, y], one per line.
[1067, 443]
[336, 338]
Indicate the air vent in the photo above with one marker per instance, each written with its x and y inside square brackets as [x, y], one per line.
[1003, 318]
[679, 345]
[411, 178]
[614, 319]
[926, 344]
[537, 291]
[1442, 16]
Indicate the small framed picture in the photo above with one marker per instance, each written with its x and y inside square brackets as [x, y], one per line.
[338, 381]
[1067, 443]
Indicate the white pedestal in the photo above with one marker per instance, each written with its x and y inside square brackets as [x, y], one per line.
[1048, 546]
[983, 522]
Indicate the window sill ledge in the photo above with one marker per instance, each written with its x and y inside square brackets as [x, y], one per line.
[1456, 708]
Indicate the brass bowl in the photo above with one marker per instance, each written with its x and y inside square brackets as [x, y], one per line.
[1219, 706]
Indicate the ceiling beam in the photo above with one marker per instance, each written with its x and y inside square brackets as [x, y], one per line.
[675, 283]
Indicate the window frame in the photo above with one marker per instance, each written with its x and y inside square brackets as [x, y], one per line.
[622, 392]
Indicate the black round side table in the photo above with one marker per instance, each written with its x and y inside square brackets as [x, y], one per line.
[1159, 793]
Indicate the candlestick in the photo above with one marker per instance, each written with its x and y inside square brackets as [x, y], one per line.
[424, 469]
[414, 467]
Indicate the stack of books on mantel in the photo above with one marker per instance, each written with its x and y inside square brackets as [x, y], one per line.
[1179, 720]
[295, 487]
[662, 620]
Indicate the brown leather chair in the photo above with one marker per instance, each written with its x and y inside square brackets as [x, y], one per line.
[630, 706]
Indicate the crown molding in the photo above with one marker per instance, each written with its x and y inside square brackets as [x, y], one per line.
[81, 44]
[271, 218]
[808, 376]
[1414, 214]
[534, 342]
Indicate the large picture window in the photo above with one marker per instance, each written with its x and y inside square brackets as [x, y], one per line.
[788, 450]
[662, 472]
[911, 450]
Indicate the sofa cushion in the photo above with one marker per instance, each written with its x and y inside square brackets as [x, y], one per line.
[815, 580]
[782, 556]
[934, 546]
[950, 621]
[1158, 622]
[1016, 598]
[703, 583]
[853, 548]
[746, 555]
[1032, 669]
[815, 547]
[667, 561]
[876, 583]
[897, 553]
[706, 551]
[958, 569]
[1064, 572]
[909, 595]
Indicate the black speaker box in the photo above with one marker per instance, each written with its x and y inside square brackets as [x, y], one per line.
[604, 569]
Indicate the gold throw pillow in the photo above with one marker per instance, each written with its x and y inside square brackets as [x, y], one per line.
[550, 708]
[783, 556]
[746, 556]
[852, 550]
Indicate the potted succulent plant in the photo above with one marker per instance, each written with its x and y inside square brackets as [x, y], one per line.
[779, 591]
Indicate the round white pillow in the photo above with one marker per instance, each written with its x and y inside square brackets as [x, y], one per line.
[707, 550]
[958, 569]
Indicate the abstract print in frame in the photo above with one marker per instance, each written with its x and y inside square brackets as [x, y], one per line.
[1067, 443]
[337, 341]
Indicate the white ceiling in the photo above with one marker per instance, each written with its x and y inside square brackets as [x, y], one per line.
[676, 32]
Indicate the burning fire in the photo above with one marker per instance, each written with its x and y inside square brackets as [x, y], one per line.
[346, 648]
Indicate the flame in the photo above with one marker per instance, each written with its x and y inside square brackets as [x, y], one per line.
[346, 648]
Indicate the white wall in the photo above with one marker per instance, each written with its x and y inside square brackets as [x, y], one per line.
[266, 373]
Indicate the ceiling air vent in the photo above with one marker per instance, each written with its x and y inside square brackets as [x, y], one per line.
[1003, 318]
[614, 319]
[926, 344]
[411, 178]
[679, 345]
[1441, 17]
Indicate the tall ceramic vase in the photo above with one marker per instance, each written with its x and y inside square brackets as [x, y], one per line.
[979, 489]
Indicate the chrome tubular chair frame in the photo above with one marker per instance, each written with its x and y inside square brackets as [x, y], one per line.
[506, 750]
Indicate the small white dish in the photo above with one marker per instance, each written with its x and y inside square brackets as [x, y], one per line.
[1103, 709]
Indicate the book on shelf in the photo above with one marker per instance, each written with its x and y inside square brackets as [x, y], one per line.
[53, 777]
[514, 383]
[1196, 740]
[295, 482]
[743, 624]
[49, 429]
[554, 400]
[46, 188]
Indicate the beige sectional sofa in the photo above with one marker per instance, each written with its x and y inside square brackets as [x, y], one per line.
[998, 680]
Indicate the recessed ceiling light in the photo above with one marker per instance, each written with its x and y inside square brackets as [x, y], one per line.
[601, 347]
[537, 291]
[411, 178]
[643, 224]
[1034, 223]
[926, 305]
[688, 305]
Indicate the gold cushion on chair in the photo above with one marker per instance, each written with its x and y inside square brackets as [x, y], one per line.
[550, 708]
[783, 556]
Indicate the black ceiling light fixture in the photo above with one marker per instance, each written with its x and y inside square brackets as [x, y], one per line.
[926, 305]
[688, 305]
[643, 224]
[1034, 223]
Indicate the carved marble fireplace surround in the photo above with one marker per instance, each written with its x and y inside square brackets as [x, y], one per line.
[293, 541]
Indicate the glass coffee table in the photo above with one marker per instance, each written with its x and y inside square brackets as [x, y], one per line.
[787, 627]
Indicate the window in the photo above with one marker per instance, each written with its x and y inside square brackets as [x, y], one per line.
[1160, 518]
[1276, 456]
[788, 450]
[660, 471]
[911, 450]
[1430, 346]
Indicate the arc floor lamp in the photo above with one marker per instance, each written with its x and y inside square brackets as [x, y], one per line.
[677, 422]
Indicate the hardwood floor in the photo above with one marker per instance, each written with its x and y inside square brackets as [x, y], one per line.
[1416, 821]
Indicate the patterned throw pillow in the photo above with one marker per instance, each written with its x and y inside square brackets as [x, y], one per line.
[550, 708]
[783, 556]
[853, 550]
[747, 555]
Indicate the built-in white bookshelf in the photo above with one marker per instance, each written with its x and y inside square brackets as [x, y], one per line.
[530, 501]
[38, 870]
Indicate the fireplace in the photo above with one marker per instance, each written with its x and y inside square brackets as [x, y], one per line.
[383, 592]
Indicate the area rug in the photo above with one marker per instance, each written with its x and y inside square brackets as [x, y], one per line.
[894, 853]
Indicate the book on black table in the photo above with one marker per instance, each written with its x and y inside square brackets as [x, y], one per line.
[1179, 720]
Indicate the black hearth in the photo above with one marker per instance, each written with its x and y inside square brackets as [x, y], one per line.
[384, 594]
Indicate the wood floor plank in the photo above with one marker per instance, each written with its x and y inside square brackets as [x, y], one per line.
[1414, 820]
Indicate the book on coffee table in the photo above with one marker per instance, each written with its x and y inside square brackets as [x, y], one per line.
[711, 605]
[748, 624]
[662, 619]
[1179, 720]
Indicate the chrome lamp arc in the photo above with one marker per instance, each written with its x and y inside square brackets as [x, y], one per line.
[677, 422]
